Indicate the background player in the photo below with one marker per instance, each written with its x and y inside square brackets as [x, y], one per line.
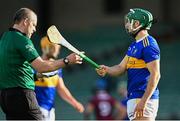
[48, 83]
[122, 91]
[142, 63]
[102, 103]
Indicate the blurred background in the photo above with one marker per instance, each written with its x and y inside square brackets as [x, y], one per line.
[96, 27]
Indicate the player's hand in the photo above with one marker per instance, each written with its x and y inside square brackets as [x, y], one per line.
[74, 59]
[79, 107]
[102, 71]
[139, 110]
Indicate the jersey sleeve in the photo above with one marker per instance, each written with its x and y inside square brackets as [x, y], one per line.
[151, 53]
[60, 74]
[27, 49]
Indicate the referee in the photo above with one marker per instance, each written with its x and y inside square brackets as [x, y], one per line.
[17, 58]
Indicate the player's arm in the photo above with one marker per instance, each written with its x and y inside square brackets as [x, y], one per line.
[121, 111]
[154, 69]
[113, 70]
[46, 65]
[66, 95]
[89, 109]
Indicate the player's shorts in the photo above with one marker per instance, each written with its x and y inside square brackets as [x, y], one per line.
[48, 115]
[150, 109]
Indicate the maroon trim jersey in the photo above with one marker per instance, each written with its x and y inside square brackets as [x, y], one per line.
[104, 105]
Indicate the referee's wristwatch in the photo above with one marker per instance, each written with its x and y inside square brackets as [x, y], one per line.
[66, 61]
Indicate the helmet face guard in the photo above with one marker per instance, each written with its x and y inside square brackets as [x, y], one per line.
[129, 26]
[144, 17]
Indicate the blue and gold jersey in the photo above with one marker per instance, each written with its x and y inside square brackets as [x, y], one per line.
[139, 54]
[45, 88]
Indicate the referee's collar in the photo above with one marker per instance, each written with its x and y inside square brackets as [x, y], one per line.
[16, 30]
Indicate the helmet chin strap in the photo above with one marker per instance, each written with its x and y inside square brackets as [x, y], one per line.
[136, 31]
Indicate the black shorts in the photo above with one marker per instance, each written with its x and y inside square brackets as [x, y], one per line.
[20, 104]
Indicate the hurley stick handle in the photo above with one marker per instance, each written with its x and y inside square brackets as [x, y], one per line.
[94, 64]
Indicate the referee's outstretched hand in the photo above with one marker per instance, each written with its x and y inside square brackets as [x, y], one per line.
[74, 59]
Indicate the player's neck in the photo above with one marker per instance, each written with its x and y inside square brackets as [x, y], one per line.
[18, 27]
[141, 34]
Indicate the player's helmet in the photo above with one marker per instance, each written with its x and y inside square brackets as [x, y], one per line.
[46, 44]
[101, 84]
[49, 48]
[143, 16]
